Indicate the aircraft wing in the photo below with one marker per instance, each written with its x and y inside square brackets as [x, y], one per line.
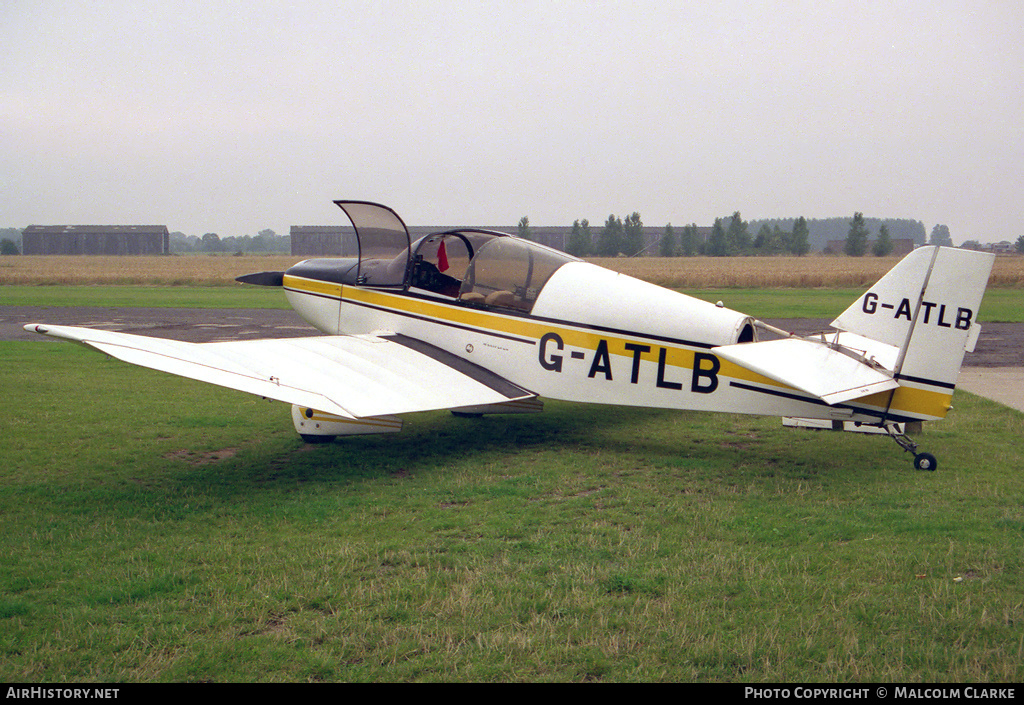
[350, 376]
[829, 373]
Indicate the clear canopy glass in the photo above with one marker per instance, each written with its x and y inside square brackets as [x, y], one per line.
[474, 267]
[383, 243]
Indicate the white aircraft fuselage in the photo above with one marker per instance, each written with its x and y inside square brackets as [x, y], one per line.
[594, 335]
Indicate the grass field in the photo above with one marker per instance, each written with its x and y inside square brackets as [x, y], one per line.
[159, 529]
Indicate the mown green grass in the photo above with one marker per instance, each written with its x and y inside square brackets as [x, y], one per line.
[1005, 305]
[157, 529]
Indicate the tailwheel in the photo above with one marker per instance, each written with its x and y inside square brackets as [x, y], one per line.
[925, 461]
[922, 461]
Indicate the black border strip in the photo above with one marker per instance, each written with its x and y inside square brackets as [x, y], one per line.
[313, 293]
[922, 380]
[627, 333]
[475, 372]
[882, 415]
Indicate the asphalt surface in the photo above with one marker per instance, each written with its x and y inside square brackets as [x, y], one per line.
[188, 324]
[994, 370]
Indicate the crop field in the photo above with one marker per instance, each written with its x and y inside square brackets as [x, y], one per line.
[813, 272]
[172, 270]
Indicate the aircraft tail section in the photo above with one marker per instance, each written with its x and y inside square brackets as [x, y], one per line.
[926, 307]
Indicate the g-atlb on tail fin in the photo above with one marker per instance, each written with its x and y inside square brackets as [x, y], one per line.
[927, 307]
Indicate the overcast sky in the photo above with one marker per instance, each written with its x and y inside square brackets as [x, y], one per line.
[231, 117]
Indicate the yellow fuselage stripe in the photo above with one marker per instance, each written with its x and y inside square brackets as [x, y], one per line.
[905, 400]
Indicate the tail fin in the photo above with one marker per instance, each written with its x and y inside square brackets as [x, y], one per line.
[927, 307]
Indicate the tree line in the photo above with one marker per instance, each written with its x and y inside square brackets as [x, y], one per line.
[733, 236]
[857, 244]
[618, 236]
[625, 237]
[10, 241]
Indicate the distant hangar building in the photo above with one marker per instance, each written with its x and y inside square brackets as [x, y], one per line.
[96, 240]
[324, 241]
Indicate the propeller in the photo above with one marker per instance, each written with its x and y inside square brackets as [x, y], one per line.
[262, 279]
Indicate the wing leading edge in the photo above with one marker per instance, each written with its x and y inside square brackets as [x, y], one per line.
[350, 376]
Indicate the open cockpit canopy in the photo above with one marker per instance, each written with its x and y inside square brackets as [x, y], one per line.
[383, 243]
[472, 266]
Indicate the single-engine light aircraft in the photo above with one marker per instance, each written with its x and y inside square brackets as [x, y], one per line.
[483, 322]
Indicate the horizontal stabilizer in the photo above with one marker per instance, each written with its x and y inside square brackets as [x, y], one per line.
[831, 373]
[349, 376]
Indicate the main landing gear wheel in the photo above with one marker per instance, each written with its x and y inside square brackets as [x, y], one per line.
[925, 461]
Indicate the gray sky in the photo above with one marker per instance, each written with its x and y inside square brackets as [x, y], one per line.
[231, 117]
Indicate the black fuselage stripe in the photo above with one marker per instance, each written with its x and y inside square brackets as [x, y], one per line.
[626, 333]
[553, 321]
[329, 297]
